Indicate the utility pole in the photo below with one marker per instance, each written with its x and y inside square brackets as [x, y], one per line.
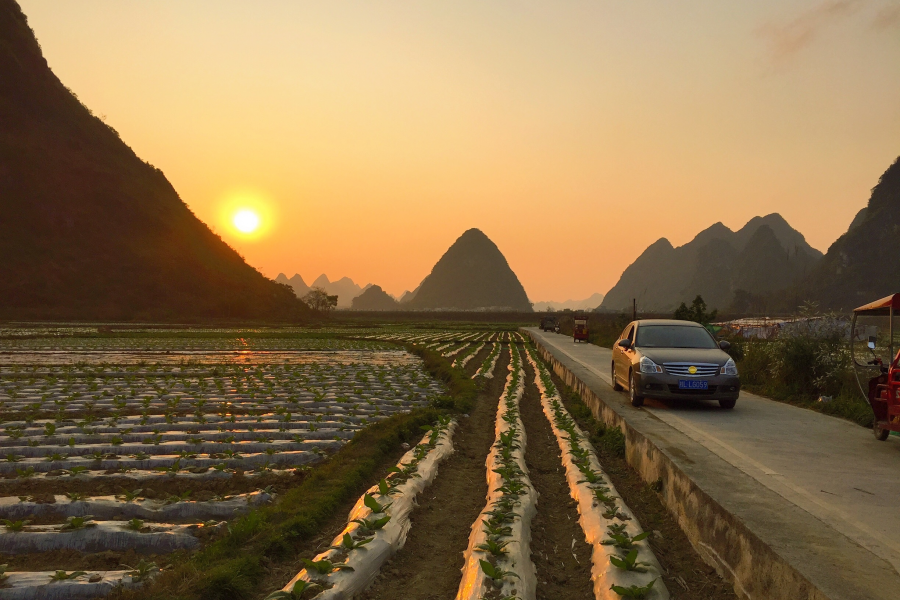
[634, 309]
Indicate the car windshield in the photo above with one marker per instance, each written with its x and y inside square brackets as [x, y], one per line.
[673, 336]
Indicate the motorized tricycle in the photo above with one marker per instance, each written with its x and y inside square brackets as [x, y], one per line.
[875, 356]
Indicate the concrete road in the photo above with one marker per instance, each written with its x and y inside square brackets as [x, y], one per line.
[834, 470]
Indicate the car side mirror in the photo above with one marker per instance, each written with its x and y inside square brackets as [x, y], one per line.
[626, 343]
[724, 345]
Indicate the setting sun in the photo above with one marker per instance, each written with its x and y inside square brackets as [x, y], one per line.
[246, 221]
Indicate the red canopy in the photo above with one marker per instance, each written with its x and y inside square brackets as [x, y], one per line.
[885, 303]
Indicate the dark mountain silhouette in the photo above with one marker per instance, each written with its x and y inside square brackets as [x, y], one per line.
[90, 231]
[296, 282]
[861, 265]
[471, 275]
[765, 255]
[374, 298]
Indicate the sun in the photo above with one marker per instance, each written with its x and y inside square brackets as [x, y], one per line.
[246, 221]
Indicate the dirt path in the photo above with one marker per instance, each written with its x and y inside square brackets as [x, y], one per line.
[560, 553]
[429, 565]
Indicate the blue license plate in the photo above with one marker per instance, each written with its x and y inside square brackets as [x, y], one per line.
[692, 384]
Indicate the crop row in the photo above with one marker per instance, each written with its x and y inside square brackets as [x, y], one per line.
[623, 565]
[377, 528]
[498, 555]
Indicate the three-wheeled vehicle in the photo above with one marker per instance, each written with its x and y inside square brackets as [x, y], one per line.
[581, 328]
[874, 351]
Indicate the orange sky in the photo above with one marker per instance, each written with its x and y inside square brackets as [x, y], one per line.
[574, 134]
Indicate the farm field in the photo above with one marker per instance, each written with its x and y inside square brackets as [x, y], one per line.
[135, 463]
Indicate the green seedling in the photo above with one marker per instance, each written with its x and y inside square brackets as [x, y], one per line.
[134, 524]
[296, 592]
[49, 429]
[75, 496]
[14, 457]
[129, 496]
[374, 505]
[623, 541]
[497, 530]
[496, 574]
[182, 497]
[385, 489]
[74, 523]
[617, 528]
[348, 543]
[325, 567]
[495, 547]
[633, 591]
[25, 473]
[63, 576]
[55, 457]
[141, 571]
[372, 524]
[629, 562]
[14, 526]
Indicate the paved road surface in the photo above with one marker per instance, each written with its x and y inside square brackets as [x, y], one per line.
[830, 468]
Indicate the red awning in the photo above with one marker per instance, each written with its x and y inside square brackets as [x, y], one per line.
[886, 302]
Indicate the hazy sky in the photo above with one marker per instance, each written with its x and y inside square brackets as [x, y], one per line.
[370, 135]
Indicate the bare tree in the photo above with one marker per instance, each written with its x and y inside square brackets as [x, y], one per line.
[318, 299]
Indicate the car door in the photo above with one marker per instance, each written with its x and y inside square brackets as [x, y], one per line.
[621, 358]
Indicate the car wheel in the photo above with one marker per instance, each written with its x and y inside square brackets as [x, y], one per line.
[881, 434]
[615, 382]
[632, 390]
[727, 403]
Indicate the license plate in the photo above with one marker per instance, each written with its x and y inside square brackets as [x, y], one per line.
[692, 384]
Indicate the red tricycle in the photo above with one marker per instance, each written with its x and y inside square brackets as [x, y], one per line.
[581, 328]
[872, 348]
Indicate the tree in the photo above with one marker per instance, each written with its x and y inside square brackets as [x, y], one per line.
[318, 299]
[695, 312]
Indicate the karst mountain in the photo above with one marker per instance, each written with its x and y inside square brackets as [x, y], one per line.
[88, 230]
[723, 266]
[472, 275]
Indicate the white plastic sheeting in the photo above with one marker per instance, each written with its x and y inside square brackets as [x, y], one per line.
[105, 535]
[36, 585]
[368, 560]
[518, 558]
[596, 527]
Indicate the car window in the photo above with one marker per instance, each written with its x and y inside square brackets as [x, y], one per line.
[674, 336]
[630, 334]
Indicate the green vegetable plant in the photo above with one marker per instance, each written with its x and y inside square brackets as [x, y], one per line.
[63, 576]
[374, 505]
[14, 526]
[134, 524]
[372, 524]
[623, 540]
[496, 574]
[629, 562]
[141, 571]
[348, 543]
[324, 567]
[633, 591]
[494, 546]
[296, 593]
[74, 523]
[127, 496]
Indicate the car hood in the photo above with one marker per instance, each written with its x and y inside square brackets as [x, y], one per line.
[698, 355]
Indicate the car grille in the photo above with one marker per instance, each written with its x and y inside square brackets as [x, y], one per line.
[681, 369]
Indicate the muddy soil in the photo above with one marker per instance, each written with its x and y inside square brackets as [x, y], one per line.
[429, 565]
[559, 550]
[475, 363]
[685, 574]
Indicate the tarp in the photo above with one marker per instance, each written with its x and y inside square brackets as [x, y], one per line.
[887, 302]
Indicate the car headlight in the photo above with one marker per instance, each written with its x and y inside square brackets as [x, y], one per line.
[729, 368]
[648, 366]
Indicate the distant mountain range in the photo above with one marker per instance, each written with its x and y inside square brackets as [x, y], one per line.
[90, 231]
[344, 288]
[587, 304]
[472, 275]
[765, 256]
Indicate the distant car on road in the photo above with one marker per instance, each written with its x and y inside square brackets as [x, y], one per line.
[549, 324]
[673, 360]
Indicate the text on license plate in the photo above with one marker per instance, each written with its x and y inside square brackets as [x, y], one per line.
[692, 384]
